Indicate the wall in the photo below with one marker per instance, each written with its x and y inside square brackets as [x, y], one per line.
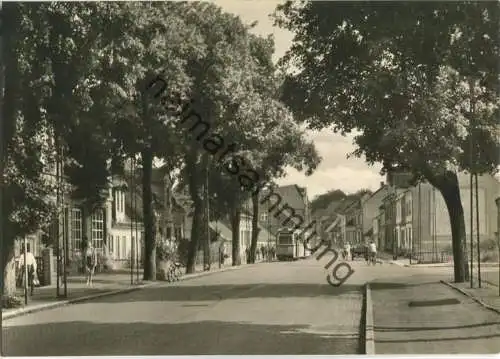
[371, 207]
[120, 245]
[434, 215]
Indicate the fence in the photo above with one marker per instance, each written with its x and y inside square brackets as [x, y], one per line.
[433, 257]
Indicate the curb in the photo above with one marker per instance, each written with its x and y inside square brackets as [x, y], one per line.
[46, 306]
[474, 298]
[37, 308]
[369, 325]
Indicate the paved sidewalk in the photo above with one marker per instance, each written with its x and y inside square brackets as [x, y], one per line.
[104, 283]
[488, 295]
[420, 315]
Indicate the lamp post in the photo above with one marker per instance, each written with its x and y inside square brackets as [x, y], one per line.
[497, 201]
[25, 273]
[132, 183]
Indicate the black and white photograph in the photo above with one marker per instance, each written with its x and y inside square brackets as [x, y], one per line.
[249, 177]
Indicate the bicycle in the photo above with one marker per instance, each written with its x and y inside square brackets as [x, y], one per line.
[174, 272]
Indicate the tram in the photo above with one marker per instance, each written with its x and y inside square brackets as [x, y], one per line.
[290, 244]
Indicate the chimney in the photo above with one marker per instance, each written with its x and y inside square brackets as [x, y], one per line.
[382, 184]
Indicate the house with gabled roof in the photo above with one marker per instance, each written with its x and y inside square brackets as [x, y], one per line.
[283, 206]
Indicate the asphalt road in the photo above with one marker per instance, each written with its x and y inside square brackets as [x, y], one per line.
[270, 308]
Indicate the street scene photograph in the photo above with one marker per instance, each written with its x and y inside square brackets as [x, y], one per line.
[250, 177]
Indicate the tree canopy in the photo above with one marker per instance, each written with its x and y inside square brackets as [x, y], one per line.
[417, 79]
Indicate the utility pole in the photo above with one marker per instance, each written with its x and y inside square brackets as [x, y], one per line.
[25, 273]
[477, 235]
[58, 232]
[133, 205]
[65, 228]
[132, 183]
[497, 201]
[206, 251]
[471, 179]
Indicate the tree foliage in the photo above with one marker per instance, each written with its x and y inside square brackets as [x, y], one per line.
[78, 82]
[416, 79]
[322, 201]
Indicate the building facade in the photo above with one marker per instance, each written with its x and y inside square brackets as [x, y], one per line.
[416, 218]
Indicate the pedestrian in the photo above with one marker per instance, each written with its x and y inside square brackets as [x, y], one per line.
[347, 251]
[373, 252]
[221, 253]
[30, 266]
[263, 251]
[90, 262]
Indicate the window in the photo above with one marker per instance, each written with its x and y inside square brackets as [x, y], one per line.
[263, 217]
[118, 248]
[123, 202]
[178, 232]
[117, 201]
[124, 248]
[76, 229]
[98, 228]
[111, 244]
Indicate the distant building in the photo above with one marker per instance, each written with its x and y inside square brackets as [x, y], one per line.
[416, 218]
[284, 206]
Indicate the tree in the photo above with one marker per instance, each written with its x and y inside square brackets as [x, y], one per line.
[223, 80]
[360, 68]
[151, 63]
[322, 201]
[282, 144]
[363, 191]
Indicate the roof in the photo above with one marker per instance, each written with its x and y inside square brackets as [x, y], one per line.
[222, 229]
[292, 195]
[329, 210]
[347, 204]
[158, 190]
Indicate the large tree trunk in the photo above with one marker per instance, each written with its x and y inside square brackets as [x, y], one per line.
[10, 89]
[235, 228]
[447, 184]
[196, 231]
[195, 187]
[9, 269]
[148, 213]
[255, 227]
[206, 223]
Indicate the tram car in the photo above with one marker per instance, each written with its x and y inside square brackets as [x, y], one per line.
[289, 245]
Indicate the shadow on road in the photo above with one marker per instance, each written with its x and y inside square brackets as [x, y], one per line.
[439, 339]
[393, 285]
[221, 292]
[194, 338]
[415, 329]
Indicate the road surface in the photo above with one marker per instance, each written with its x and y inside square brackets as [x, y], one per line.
[269, 308]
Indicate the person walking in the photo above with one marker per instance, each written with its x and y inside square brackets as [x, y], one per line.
[372, 247]
[347, 251]
[30, 266]
[90, 262]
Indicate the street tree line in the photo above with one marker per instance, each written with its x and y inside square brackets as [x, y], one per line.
[417, 80]
[75, 80]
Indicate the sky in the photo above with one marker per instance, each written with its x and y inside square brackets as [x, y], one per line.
[335, 171]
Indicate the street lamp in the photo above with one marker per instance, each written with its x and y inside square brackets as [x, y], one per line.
[497, 201]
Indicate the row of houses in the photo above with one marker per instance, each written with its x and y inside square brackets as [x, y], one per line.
[116, 228]
[404, 219]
